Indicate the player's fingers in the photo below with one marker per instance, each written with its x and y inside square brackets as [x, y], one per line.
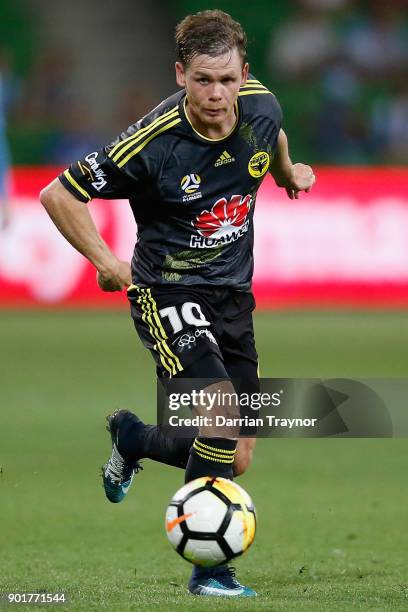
[290, 193]
[107, 284]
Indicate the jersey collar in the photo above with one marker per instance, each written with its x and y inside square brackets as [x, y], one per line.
[186, 120]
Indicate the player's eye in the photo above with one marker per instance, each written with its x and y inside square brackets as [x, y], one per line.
[203, 81]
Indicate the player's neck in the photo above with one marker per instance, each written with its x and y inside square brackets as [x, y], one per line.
[215, 132]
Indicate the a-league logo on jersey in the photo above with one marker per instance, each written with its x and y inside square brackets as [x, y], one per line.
[258, 164]
[190, 184]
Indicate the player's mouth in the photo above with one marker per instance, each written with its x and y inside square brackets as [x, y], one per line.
[213, 112]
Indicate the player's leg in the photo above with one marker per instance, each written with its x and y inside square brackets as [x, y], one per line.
[212, 455]
[213, 449]
[173, 326]
[241, 362]
[152, 441]
[244, 455]
[179, 331]
[179, 328]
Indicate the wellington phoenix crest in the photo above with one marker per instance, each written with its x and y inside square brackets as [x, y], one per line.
[258, 164]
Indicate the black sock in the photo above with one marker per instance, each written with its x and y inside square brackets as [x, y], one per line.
[211, 457]
[140, 441]
[162, 447]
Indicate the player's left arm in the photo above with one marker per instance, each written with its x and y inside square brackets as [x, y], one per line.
[292, 177]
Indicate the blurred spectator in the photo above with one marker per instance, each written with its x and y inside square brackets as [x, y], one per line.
[390, 125]
[48, 118]
[327, 4]
[304, 44]
[136, 100]
[341, 134]
[347, 63]
[73, 138]
[376, 41]
[339, 67]
[46, 97]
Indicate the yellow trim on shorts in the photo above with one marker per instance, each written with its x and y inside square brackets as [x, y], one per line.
[150, 316]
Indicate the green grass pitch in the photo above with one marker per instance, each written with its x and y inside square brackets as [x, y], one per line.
[332, 532]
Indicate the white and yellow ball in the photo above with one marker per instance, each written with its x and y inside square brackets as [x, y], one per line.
[209, 521]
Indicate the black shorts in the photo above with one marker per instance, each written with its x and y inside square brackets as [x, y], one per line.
[182, 325]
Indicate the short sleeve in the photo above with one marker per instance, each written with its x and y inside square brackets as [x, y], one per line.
[277, 112]
[98, 176]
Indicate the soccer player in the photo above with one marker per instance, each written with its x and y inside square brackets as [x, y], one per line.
[191, 169]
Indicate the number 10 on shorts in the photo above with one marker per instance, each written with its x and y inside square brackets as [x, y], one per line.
[190, 312]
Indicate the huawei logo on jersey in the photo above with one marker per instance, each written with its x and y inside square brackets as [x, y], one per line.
[225, 222]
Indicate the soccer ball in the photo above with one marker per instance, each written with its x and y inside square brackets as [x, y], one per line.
[210, 521]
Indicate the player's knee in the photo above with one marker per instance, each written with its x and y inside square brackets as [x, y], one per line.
[243, 460]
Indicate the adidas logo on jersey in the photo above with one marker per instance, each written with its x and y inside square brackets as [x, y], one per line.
[224, 158]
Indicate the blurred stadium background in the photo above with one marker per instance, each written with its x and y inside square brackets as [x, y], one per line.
[339, 70]
[331, 283]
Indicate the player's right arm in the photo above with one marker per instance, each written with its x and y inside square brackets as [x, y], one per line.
[73, 220]
[97, 175]
[121, 170]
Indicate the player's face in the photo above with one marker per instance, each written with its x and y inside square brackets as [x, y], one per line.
[212, 85]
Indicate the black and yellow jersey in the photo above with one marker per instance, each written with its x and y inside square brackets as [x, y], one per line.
[193, 198]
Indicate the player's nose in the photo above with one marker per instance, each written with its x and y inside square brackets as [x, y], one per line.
[215, 93]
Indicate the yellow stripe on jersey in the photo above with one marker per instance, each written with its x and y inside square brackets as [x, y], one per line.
[254, 91]
[147, 140]
[254, 86]
[123, 145]
[75, 184]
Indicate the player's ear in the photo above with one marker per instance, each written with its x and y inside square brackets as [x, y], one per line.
[180, 74]
[244, 75]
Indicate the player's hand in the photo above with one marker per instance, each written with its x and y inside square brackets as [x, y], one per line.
[301, 178]
[116, 277]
